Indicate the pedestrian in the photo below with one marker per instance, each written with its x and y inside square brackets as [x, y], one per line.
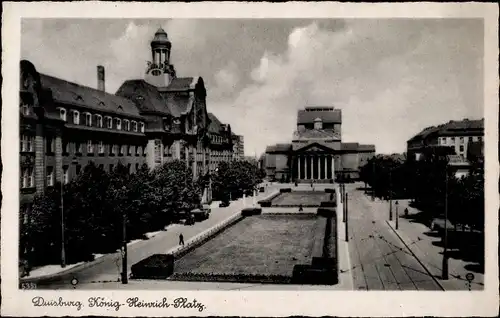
[300, 208]
[406, 212]
[181, 239]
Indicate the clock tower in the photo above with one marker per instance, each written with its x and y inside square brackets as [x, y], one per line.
[159, 71]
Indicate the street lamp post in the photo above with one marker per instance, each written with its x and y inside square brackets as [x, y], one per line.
[397, 215]
[445, 250]
[124, 252]
[63, 247]
[346, 219]
[390, 194]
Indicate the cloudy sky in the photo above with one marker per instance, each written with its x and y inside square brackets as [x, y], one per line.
[390, 77]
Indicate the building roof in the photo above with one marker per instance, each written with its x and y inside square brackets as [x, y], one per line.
[215, 125]
[75, 94]
[453, 128]
[316, 134]
[148, 98]
[160, 37]
[180, 84]
[308, 115]
[366, 148]
[349, 146]
[278, 148]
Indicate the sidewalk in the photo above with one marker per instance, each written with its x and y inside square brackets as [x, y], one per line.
[107, 267]
[427, 248]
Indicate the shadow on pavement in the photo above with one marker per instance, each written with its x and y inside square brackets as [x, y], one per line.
[432, 234]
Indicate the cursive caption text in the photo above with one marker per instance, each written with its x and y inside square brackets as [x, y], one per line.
[132, 302]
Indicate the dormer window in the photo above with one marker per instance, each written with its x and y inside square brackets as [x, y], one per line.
[141, 124]
[99, 121]
[166, 124]
[118, 123]
[109, 122]
[88, 119]
[318, 124]
[76, 117]
[134, 125]
[62, 114]
[126, 123]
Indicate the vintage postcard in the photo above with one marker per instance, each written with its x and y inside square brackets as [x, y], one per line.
[249, 159]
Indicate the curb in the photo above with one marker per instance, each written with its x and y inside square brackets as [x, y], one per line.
[418, 260]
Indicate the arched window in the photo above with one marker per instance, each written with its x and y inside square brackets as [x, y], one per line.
[134, 125]
[62, 113]
[126, 123]
[76, 117]
[99, 121]
[141, 124]
[109, 122]
[118, 123]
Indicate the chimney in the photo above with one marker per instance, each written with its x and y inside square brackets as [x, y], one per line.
[100, 78]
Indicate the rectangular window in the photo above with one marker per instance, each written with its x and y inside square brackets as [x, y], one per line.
[138, 150]
[50, 145]
[76, 117]
[66, 174]
[25, 109]
[88, 119]
[78, 147]
[90, 147]
[65, 148]
[78, 169]
[115, 149]
[130, 150]
[50, 176]
[122, 150]
[99, 121]
[109, 122]
[27, 143]
[101, 147]
[461, 148]
[461, 140]
[452, 139]
[28, 178]
[126, 123]
[118, 123]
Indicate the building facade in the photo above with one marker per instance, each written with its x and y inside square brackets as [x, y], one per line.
[238, 147]
[221, 146]
[64, 125]
[454, 135]
[317, 152]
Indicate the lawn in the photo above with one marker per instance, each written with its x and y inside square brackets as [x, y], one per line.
[296, 198]
[257, 245]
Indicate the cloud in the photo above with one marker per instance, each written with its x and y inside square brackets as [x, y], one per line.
[389, 86]
[390, 77]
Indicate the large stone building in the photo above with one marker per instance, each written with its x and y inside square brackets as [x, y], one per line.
[64, 126]
[317, 152]
[455, 136]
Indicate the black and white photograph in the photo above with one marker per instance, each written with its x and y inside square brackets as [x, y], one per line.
[276, 155]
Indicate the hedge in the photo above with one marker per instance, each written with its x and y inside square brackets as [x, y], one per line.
[329, 190]
[157, 266]
[231, 277]
[251, 211]
[329, 204]
[285, 190]
[309, 275]
[265, 203]
[326, 211]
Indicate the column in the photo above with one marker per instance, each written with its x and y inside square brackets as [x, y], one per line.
[305, 167]
[195, 163]
[298, 168]
[325, 162]
[319, 166]
[333, 168]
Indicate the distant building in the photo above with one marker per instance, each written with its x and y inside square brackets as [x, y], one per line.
[238, 147]
[221, 146]
[317, 152]
[455, 135]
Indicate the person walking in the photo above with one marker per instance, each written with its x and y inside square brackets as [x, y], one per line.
[181, 239]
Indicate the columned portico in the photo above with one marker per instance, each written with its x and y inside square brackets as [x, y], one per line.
[314, 166]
